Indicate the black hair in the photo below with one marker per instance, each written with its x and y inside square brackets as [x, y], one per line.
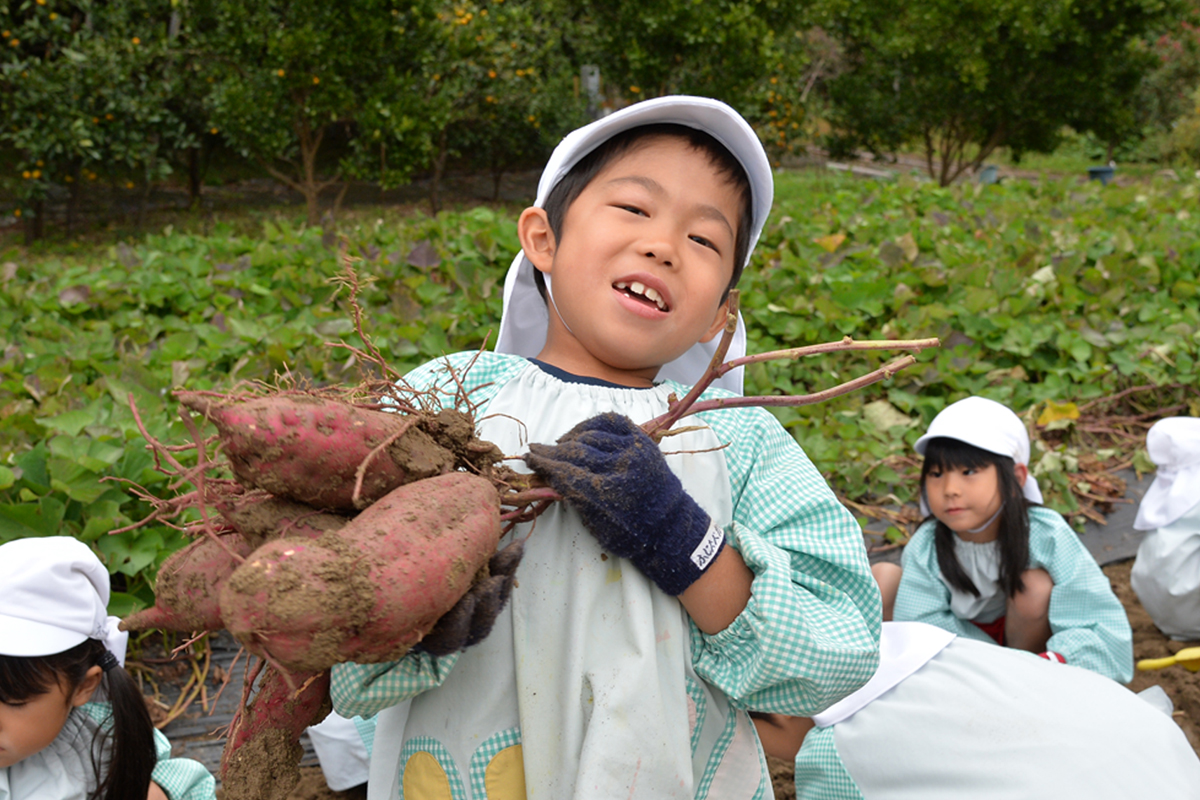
[126, 754]
[944, 453]
[567, 190]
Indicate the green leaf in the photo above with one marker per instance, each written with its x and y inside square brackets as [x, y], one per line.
[130, 552]
[70, 422]
[41, 518]
[122, 604]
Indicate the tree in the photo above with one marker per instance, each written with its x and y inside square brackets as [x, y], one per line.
[285, 74]
[964, 77]
[752, 54]
[493, 86]
[83, 94]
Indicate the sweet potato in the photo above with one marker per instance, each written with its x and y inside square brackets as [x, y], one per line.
[189, 584]
[187, 592]
[261, 759]
[370, 591]
[263, 518]
[308, 448]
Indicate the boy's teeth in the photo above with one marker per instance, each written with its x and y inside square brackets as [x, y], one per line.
[640, 288]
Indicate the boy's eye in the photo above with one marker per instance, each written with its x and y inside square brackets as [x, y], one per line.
[632, 210]
[700, 240]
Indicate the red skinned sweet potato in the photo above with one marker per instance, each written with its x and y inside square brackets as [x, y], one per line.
[261, 760]
[187, 593]
[308, 448]
[263, 518]
[370, 591]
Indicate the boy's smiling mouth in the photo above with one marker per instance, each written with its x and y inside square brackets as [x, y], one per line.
[643, 293]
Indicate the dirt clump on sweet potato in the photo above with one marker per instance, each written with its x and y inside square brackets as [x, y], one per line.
[261, 760]
[261, 518]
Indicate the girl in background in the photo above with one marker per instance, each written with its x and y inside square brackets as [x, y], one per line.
[73, 724]
[991, 563]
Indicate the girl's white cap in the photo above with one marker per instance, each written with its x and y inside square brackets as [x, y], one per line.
[525, 319]
[1174, 446]
[988, 425]
[53, 596]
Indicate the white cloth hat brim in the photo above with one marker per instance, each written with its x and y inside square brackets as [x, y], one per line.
[1173, 444]
[25, 637]
[525, 319]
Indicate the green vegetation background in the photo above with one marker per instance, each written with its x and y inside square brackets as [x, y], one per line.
[1044, 294]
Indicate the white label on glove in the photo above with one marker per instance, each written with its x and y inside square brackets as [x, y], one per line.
[708, 548]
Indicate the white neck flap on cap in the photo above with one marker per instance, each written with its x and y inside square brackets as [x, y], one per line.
[525, 320]
[1174, 446]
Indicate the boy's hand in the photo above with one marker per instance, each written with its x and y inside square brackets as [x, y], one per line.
[470, 620]
[615, 476]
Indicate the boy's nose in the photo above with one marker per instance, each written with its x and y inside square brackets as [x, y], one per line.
[666, 262]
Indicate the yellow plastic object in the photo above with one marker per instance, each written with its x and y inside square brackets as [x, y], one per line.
[1188, 658]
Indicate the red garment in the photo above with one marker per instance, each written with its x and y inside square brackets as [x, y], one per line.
[994, 629]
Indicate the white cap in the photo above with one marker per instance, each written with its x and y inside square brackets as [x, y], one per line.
[525, 319]
[53, 596]
[988, 425]
[1174, 446]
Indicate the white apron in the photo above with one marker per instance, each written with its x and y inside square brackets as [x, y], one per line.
[585, 687]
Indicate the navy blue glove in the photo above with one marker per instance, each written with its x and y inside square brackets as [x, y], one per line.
[615, 476]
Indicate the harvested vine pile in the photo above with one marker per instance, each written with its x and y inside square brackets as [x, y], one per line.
[354, 524]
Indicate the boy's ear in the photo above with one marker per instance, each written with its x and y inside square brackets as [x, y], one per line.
[537, 238]
[718, 323]
[87, 687]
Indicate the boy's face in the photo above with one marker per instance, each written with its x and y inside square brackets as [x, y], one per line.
[645, 257]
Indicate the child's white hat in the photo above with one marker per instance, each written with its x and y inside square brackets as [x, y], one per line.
[525, 320]
[988, 425]
[54, 595]
[1174, 446]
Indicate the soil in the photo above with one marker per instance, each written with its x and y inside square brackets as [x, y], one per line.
[1182, 686]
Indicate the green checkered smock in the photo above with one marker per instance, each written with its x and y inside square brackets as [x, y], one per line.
[809, 634]
[180, 778]
[1088, 624]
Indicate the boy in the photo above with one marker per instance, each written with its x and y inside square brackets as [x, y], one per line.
[671, 591]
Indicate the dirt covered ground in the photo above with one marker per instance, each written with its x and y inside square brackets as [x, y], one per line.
[1182, 686]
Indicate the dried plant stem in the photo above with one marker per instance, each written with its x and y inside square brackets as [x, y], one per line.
[659, 424]
[361, 472]
[691, 404]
